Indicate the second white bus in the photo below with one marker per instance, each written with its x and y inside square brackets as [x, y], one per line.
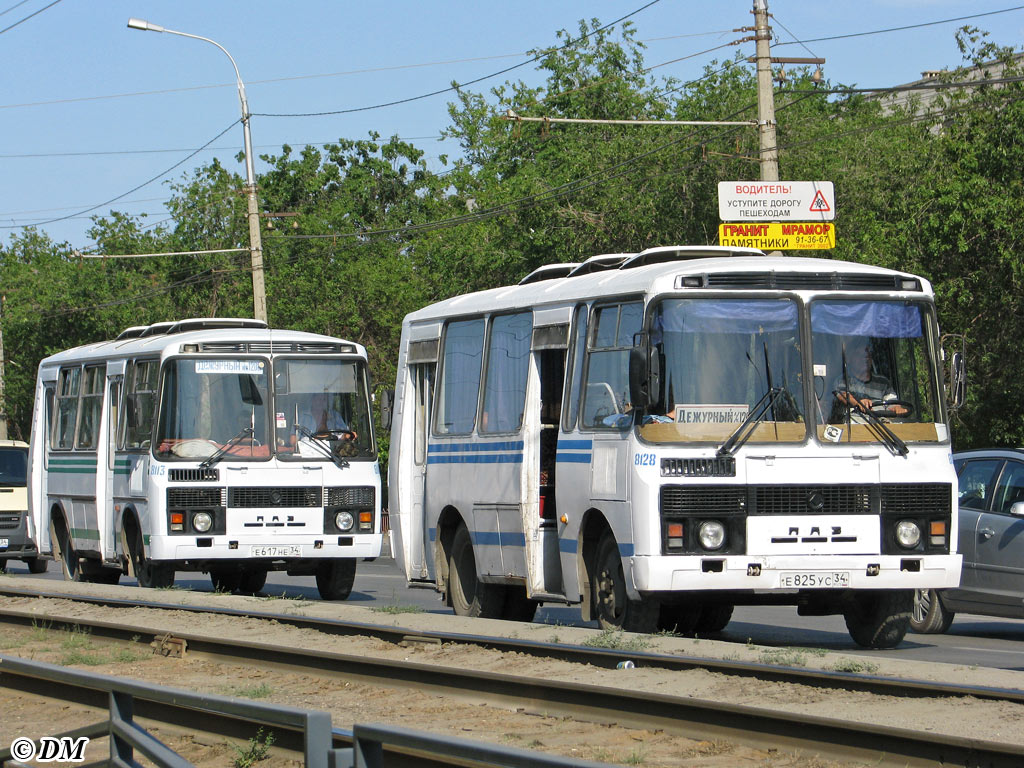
[183, 447]
[664, 435]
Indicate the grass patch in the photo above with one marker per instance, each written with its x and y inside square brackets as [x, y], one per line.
[616, 640]
[76, 639]
[854, 665]
[260, 691]
[83, 658]
[636, 757]
[256, 750]
[785, 657]
[396, 609]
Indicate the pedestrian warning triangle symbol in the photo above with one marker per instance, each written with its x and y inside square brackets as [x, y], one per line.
[819, 204]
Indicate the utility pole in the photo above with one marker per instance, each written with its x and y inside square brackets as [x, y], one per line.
[3, 400]
[765, 94]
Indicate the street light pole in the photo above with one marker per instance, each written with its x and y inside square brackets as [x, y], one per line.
[259, 293]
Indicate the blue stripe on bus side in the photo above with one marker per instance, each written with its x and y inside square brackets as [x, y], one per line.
[496, 458]
[572, 458]
[576, 445]
[510, 445]
[498, 539]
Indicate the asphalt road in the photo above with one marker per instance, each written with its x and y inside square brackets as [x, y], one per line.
[971, 641]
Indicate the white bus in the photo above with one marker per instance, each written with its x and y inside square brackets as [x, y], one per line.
[664, 435]
[212, 445]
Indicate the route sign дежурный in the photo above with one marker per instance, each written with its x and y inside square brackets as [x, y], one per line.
[778, 236]
[763, 201]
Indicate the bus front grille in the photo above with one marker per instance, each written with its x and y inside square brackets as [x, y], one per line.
[916, 498]
[812, 500]
[285, 496]
[187, 498]
[9, 521]
[361, 497]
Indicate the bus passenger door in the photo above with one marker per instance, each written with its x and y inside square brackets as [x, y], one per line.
[105, 516]
[544, 403]
[417, 532]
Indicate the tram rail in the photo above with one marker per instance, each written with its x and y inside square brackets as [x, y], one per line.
[699, 718]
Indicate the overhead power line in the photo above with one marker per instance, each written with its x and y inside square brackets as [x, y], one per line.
[452, 88]
[903, 28]
[34, 13]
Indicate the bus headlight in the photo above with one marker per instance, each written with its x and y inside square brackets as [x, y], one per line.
[908, 534]
[344, 521]
[202, 521]
[711, 534]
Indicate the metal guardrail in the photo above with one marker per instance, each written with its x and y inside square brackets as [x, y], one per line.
[310, 730]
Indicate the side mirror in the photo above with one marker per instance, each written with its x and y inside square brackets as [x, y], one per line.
[639, 379]
[1017, 509]
[957, 381]
[387, 402]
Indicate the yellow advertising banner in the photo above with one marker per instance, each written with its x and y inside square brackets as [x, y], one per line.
[779, 236]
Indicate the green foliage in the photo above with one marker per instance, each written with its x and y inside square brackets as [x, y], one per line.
[932, 187]
[257, 750]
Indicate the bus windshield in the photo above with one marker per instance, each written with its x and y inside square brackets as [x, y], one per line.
[721, 359]
[209, 406]
[873, 361]
[321, 410]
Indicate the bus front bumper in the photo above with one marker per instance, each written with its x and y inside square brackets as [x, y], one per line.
[762, 574]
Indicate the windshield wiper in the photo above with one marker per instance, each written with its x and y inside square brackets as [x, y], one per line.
[882, 431]
[738, 438]
[215, 457]
[322, 446]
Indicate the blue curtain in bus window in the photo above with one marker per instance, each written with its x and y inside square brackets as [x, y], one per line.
[741, 316]
[460, 378]
[508, 358]
[877, 319]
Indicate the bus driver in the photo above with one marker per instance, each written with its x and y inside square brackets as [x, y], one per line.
[861, 388]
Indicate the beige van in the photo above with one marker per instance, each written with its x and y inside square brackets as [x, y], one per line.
[15, 541]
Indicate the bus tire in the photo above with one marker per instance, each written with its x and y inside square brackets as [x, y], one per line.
[335, 577]
[65, 550]
[147, 573]
[226, 579]
[879, 619]
[93, 572]
[713, 618]
[252, 581]
[469, 595]
[518, 607]
[679, 619]
[35, 564]
[612, 606]
[930, 616]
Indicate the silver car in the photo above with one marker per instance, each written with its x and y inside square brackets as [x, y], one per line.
[991, 493]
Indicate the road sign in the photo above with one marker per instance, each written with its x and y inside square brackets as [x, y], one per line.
[776, 201]
[779, 236]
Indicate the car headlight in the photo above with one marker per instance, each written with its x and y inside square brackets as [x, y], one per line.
[202, 521]
[908, 534]
[711, 534]
[344, 521]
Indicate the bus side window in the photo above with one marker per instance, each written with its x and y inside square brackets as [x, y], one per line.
[140, 405]
[458, 390]
[575, 373]
[508, 359]
[606, 394]
[90, 410]
[67, 408]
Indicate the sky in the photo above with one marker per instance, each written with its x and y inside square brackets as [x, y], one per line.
[96, 117]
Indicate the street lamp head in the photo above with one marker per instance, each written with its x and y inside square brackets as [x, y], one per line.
[144, 25]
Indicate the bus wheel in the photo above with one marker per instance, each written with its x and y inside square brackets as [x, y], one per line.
[35, 564]
[148, 573]
[518, 607]
[68, 557]
[470, 596]
[335, 577]
[713, 618]
[930, 616]
[613, 609]
[879, 619]
[225, 580]
[252, 582]
[679, 619]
